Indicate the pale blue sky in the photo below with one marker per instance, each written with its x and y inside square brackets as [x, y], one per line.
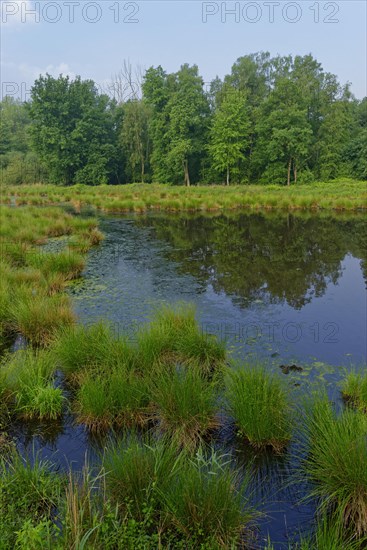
[170, 33]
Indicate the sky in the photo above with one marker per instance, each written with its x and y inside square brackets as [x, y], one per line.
[92, 39]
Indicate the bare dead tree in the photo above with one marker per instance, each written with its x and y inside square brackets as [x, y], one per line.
[127, 83]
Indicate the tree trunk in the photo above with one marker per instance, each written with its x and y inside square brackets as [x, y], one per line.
[142, 170]
[289, 172]
[295, 172]
[227, 175]
[187, 175]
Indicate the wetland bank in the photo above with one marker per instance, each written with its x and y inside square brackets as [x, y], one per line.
[182, 290]
[189, 380]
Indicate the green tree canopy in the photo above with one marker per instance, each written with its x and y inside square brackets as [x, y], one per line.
[229, 134]
[284, 131]
[72, 129]
[134, 138]
[280, 119]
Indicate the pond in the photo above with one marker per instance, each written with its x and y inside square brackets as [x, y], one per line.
[282, 289]
[272, 286]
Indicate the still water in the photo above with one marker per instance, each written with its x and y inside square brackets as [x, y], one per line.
[280, 289]
[288, 287]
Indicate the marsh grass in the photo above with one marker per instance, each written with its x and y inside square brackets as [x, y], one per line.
[26, 367]
[21, 276]
[185, 405]
[14, 253]
[93, 404]
[130, 394]
[52, 283]
[83, 509]
[29, 492]
[27, 381]
[174, 336]
[81, 243]
[157, 342]
[202, 350]
[115, 398]
[32, 280]
[91, 518]
[336, 462]
[330, 534]
[146, 495]
[138, 472]
[202, 498]
[79, 348]
[259, 404]
[41, 402]
[66, 263]
[5, 304]
[171, 376]
[344, 194]
[38, 316]
[354, 390]
[207, 502]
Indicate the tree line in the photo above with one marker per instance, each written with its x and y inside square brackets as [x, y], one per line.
[276, 119]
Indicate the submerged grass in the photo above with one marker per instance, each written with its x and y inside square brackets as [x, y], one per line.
[259, 403]
[336, 462]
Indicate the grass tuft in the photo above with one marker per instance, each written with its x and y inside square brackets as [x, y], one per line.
[41, 402]
[207, 503]
[354, 390]
[259, 404]
[29, 493]
[336, 462]
[138, 472]
[67, 263]
[38, 317]
[185, 405]
[83, 347]
[26, 379]
[330, 534]
[119, 398]
[175, 336]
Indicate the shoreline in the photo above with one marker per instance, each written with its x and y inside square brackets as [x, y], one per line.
[141, 198]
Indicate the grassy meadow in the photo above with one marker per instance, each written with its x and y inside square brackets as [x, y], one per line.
[159, 402]
[341, 195]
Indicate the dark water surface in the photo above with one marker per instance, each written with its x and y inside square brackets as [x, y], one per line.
[287, 285]
[281, 289]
